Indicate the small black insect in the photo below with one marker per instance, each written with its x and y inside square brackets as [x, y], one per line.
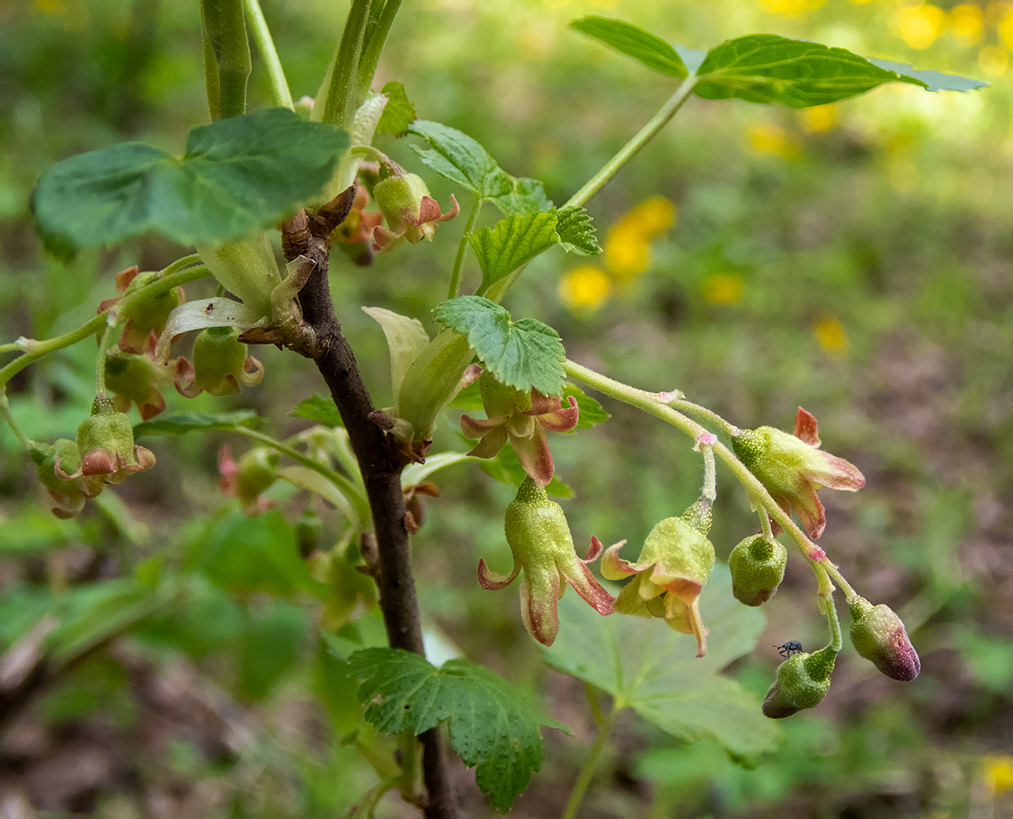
[789, 648]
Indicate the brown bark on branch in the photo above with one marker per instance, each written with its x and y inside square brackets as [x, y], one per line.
[308, 235]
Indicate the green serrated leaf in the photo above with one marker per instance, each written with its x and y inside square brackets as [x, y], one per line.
[525, 354]
[236, 176]
[460, 159]
[491, 725]
[576, 233]
[398, 114]
[320, 409]
[184, 422]
[654, 670]
[525, 195]
[933, 80]
[511, 243]
[767, 68]
[634, 42]
[591, 412]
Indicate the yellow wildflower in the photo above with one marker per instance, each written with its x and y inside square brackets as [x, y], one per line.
[918, 26]
[966, 23]
[832, 337]
[627, 244]
[789, 8]
[993, 61]
[998, 772]
[1005, 29]
[819, 119]
[767, 138]
[585, 289]
[722, 288]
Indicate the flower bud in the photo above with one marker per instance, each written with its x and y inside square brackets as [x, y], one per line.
[410, 211]
[879, 635]
[105, 441]
[68, 496]
[220, 364]
[800, 682]
[146, 317]
[246, 479]
[136, 379]
[757, 567]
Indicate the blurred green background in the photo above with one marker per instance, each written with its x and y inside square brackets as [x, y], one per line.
[852, 259]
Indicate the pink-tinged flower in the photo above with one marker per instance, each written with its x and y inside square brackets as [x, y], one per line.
[792, 468]
[105, 441]
[246, 478]
[410, 211]
[220, 365]
[667, 579]
[357, 229]
[136, 379]
[144, 321]
[522, 418]
[68, 496]
[542, 548]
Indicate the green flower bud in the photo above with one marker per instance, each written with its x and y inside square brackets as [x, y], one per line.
[879, 635]
[757, 567]
[105, 441]
[801, 682]
[220, 364]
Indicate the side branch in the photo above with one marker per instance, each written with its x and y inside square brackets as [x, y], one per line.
[308, 236]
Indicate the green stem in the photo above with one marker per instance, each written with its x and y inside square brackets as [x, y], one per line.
[347, 488]
[768, 535]
[376, 38]
[649, 403]
[112, 321]
[333, 99]
[225, 30]
[462, 248]
[688, 407]
[833, 622]
[710, 481]
[832, 570]
[280, 92]
[5, 413]
[630, 149]
[34, 350]
[590, 766]
[11, 347]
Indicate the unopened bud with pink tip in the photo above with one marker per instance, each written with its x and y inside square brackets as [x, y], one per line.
[105, 441]
[410, 211]
[801, 682]
[879, 635]
[220, 364]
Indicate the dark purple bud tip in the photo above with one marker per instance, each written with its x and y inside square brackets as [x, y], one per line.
[879, 635]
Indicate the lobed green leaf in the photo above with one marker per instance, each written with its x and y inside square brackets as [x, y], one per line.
[236, 176]
[525, 354]
[511, 243]
[576, 233]
[319, 409]
[460, 159]
[524, 196]
[654, 670]
[634, 42]
[491, 725]
[398, 114]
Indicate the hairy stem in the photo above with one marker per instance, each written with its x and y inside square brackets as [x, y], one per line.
[379, 464]
[280, 92]
[639, 140]
[337, 90]
[462, 248]
[591, 762]
[34, 350]
[224, 30]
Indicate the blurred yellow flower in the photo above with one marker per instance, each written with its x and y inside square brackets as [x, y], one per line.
[993, 61]
[966, 23]
[789, 8]
[767, 138]
[819, 119]
[832, 337]
[627, 244]
[654, 215]
[722, 288]
[1005, 29]
[918, 26]
[585, 289]
[998, 771]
